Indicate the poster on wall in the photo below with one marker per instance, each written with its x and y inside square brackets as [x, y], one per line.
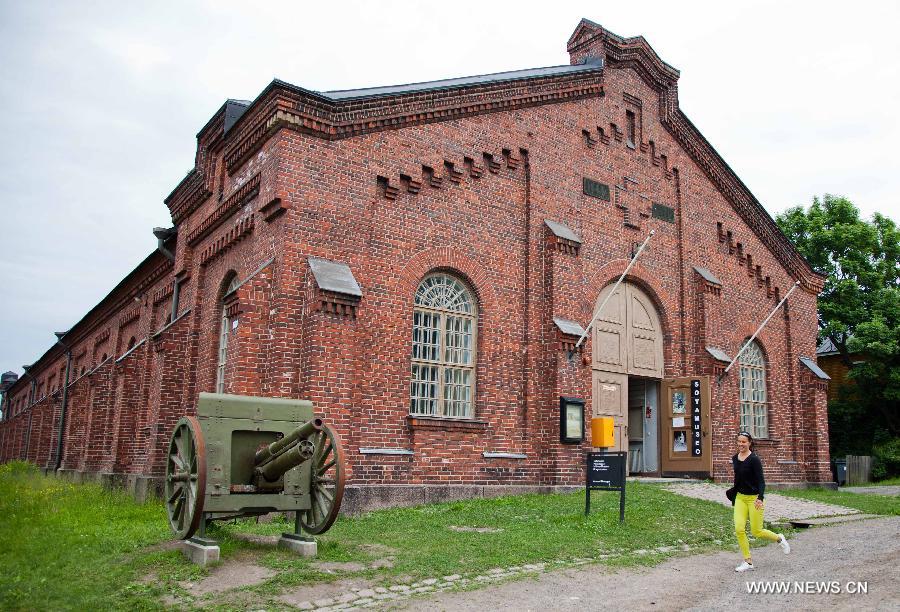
[678, 402]
[696, 446]
[679, 443]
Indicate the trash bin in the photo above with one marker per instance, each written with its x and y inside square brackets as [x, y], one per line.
[840, 471]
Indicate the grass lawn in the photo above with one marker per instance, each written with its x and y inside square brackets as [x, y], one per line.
[70, 546]
[882, 483]
[80, 547]
[868, 503]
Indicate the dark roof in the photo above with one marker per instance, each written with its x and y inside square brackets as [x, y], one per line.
[369, 92]
[233, 111]
[826, 347]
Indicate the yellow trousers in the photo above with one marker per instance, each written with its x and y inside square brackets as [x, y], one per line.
[744, 507]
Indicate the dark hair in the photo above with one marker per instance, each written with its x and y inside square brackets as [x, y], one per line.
[747, 435]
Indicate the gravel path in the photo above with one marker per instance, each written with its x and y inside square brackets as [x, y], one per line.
[866, 551]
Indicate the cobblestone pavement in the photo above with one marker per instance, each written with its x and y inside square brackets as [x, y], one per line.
[886, 490]
[778, 507]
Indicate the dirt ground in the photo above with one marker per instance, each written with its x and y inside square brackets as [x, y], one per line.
[825, 562]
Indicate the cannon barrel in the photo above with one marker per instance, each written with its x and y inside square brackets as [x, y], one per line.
[272, 450]
[289, 459]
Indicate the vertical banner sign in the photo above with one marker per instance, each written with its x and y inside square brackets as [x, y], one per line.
[696, 446]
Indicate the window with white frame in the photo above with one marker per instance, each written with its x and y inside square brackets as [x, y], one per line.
[224, 331]
[445, 321]
[754, 416]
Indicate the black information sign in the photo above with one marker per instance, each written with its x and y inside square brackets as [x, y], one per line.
[595, 189]
[696, 446]
[606, 472]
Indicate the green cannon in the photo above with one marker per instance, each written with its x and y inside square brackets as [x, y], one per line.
[247, 456]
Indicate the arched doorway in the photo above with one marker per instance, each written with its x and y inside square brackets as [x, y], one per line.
[627, 365]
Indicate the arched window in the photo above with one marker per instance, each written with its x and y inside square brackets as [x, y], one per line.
[224, 330]
[754, 416]
[445, 322]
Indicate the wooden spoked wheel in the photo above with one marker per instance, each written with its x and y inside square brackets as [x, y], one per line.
[326, 482]
[186, 478]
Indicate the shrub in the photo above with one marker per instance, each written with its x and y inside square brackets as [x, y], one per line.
[886, 462]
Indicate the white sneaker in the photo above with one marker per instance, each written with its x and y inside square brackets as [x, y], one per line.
[744, 567]
[784, 544]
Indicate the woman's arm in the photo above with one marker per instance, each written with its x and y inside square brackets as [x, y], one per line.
[757, 468]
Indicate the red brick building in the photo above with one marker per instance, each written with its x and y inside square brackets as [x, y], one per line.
[420, 260]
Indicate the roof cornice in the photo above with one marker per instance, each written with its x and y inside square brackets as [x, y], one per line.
[283, 105]
[136, 283]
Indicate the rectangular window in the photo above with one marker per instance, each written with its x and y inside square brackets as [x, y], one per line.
[595, 189]
[752, 397]
[457, 387]
[459, 340]
[630, 125]
[662, 212]
[423, 390]
[426, 335]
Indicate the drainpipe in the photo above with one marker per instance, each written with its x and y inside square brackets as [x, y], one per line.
[65, 397]
[162, 234]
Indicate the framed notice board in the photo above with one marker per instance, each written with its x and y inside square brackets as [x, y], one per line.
[605, 472]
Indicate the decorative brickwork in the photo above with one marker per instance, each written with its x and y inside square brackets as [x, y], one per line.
[244, 194]
[227, 240]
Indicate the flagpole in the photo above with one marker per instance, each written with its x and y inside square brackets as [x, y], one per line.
[756, 333]
[610, 294]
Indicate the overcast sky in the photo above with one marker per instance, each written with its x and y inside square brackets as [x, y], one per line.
[101, 103]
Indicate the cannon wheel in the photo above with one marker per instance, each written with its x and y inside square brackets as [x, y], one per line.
[186, 478]
[326, 482]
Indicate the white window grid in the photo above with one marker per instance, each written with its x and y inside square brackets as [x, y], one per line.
[443, 350]
[754, 413]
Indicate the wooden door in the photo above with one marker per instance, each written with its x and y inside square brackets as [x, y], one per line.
[684, 411]
[644, 335]
[610, 391]
[611, 332]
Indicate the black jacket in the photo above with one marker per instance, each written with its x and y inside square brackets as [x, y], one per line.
[748, 476]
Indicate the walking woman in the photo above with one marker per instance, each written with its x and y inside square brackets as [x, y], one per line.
[749, 490]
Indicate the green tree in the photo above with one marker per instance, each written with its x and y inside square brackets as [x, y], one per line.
[859, 308]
